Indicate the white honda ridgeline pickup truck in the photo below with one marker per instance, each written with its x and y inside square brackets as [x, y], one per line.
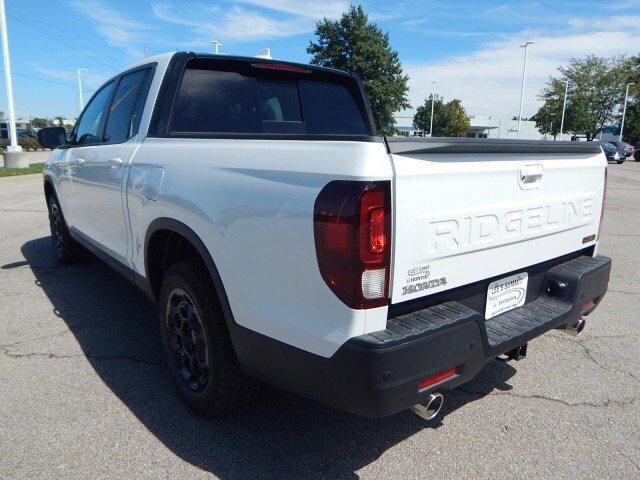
[285, 241]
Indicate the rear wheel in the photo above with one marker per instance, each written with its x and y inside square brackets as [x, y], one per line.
[197, 345]
[65, 248]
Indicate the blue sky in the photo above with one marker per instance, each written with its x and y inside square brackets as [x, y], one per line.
[469, 48]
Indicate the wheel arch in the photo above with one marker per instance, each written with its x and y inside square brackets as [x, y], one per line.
[167, 226]
[49, 189]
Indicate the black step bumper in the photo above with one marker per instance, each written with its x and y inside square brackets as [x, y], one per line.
[377, 374]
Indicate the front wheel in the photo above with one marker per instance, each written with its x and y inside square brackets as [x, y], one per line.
[67, 251]
[197, 345]
[620, 162]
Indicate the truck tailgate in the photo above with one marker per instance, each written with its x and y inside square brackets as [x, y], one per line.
[466, 210]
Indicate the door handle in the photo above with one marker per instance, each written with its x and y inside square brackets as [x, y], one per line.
[78, 161]
[531, 178]
[116, 162]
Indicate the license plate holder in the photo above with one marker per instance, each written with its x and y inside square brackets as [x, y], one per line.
[506, 294]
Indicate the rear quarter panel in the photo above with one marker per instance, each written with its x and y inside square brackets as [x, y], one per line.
[251, 203]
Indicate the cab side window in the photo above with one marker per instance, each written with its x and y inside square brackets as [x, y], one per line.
[126, 107]
[88, 129]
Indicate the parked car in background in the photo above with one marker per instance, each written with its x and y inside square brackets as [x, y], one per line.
[624, 147]
[612, 152]
[22, 133]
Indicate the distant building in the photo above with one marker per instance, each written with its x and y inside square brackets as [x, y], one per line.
[484, 127]
[489, 127]
[404, 124]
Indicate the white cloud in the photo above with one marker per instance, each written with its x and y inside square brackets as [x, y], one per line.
[90, 79]
[487, 80]
[117, 29]
[245, 24]
[305, 8]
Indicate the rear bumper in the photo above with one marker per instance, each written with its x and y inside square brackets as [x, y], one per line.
[377, 374]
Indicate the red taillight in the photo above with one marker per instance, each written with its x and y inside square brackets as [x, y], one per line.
[352, 225]
[377, 235]
[438, 377]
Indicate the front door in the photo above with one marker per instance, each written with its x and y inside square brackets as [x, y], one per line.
[82, 149]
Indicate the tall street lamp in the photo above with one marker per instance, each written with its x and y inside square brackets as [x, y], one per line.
[13, 136]
[80, 101]
[624, 109]
[216, 46]
[433, 96]
[524, 75]
[564, 105]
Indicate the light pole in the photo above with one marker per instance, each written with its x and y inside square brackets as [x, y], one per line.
[216, 46]
[624, 109]
[13, 137]
[524, 76]
[564, 105]
[433, 97]
[80, 101]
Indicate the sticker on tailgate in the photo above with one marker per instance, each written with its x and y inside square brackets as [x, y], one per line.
[506, 294]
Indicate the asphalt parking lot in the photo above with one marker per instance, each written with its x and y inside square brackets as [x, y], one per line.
[84, 394]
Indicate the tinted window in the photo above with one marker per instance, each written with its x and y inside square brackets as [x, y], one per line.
[119, 122]
[210, 101]
[87, 130]
[280, 107]
[330, 109]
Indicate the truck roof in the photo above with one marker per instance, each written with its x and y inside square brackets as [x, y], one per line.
[165, 57]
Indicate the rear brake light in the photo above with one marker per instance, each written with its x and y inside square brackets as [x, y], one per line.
[352, 227]
[437, 378]
[281, 67]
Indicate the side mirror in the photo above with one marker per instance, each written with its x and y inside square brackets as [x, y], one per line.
[52, 137]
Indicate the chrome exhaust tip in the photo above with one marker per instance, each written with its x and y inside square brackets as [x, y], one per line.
[430, 408]
[575, 328]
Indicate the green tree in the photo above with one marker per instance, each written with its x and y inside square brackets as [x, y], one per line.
[631, 132]
[449, 119]
[38, 122]
[548, 118]
[594, 96]
[354, 44]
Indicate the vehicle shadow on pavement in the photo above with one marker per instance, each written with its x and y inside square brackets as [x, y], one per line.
[280, 435]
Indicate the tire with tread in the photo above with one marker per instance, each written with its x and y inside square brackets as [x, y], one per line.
[227, 388]
[66, 249]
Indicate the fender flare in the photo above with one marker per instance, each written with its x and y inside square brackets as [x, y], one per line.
[176, 226]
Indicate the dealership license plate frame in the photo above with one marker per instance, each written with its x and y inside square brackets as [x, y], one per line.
[506, 294]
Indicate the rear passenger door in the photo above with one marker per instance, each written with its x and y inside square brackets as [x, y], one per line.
[100, 181]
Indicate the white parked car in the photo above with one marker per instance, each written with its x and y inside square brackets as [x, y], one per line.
[285, 241]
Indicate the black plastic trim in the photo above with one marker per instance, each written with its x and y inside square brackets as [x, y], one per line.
[99, 252]
[164, 223]
[425, 145]
[159, 124]
[271, 136]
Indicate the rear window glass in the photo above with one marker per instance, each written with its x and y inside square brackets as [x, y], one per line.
[211, 101]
